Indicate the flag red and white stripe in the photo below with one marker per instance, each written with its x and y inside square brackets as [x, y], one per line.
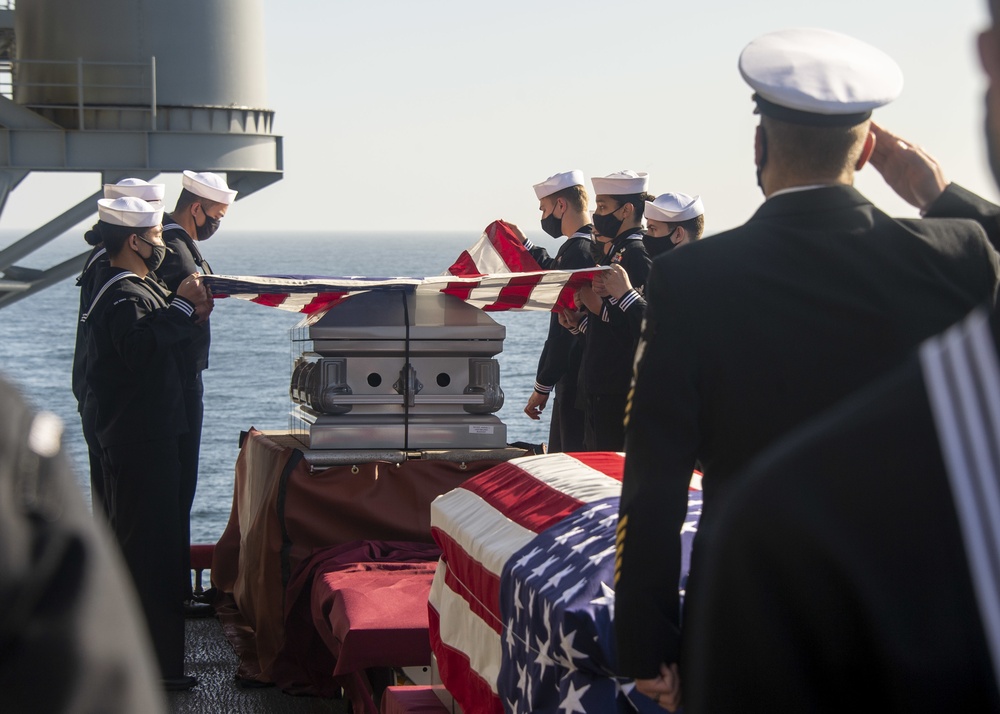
[496, 274]
[498, 250]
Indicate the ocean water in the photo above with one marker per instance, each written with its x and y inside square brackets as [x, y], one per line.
[247, 382]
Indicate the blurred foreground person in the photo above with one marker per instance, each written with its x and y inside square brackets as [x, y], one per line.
[71, 636]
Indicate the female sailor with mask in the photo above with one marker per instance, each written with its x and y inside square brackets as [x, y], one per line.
[672, 220]
[136, 335]
[606, 369]
[152, 193]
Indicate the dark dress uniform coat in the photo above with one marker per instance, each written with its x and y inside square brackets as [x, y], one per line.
[183, 258]
[71, 636]
[96, 261]
[606, 369]
[559, 363]
[836, 577]
[134, 371]
[751, 332]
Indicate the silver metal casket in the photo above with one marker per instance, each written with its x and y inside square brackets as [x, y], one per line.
[394, 369]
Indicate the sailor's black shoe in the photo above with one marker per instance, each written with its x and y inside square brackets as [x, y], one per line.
[180, 684]
[194, 609]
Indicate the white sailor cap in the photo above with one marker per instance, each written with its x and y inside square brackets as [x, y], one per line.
[818, 77]
[129, 211]
[137, 188]
[621, 183]
[674, 208]
[557, 182]
[208, 185]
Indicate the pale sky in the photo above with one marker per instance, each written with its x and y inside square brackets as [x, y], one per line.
[440, 114]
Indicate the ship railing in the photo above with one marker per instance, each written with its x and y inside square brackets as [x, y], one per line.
[144, 90]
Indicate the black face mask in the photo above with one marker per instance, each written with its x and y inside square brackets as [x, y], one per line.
[608, 225]
[552, 225]
[207, 229]
[658, 245]
[155, 258]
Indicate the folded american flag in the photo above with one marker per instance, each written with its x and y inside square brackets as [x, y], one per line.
[496, 274]
[522, 605]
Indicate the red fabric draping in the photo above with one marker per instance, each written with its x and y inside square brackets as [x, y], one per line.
[352, 607]
[411, 700]
[283, 511]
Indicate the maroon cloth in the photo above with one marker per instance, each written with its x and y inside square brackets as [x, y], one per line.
[412, 700]
[351, 607]
[283, 511]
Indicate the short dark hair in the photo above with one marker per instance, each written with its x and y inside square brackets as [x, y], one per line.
[694, 227]
[187, 198]
[638, 201]
[575, 196]
[114, 237]
[816, 150]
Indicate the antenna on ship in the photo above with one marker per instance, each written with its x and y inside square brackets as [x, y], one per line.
[128, 89]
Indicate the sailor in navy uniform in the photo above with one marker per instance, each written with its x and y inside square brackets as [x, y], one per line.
[562, 199]
[137, 335]
[837, 576]
[672, 220]
[606, 368]
[204, 200]
[754, 330]
[151, 193]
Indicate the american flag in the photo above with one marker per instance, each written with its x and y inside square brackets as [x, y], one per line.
[495, 274]
[522, 605]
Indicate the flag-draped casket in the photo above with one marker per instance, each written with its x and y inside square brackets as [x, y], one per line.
[522, 605]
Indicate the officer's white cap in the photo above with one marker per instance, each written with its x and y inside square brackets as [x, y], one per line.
[137, 188]
[557, 182]
[208, 185]
[621, 183]
[674, 208]
[819, 77]
[129, 211]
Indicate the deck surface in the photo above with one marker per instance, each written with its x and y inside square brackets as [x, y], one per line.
[211, 659]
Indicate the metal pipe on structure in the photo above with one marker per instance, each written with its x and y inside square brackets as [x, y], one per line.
[53, 229]
[45, 279]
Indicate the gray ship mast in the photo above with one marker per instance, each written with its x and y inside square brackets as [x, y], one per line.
[127, 88]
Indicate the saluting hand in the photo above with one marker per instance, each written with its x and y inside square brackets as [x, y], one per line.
[909, 170]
